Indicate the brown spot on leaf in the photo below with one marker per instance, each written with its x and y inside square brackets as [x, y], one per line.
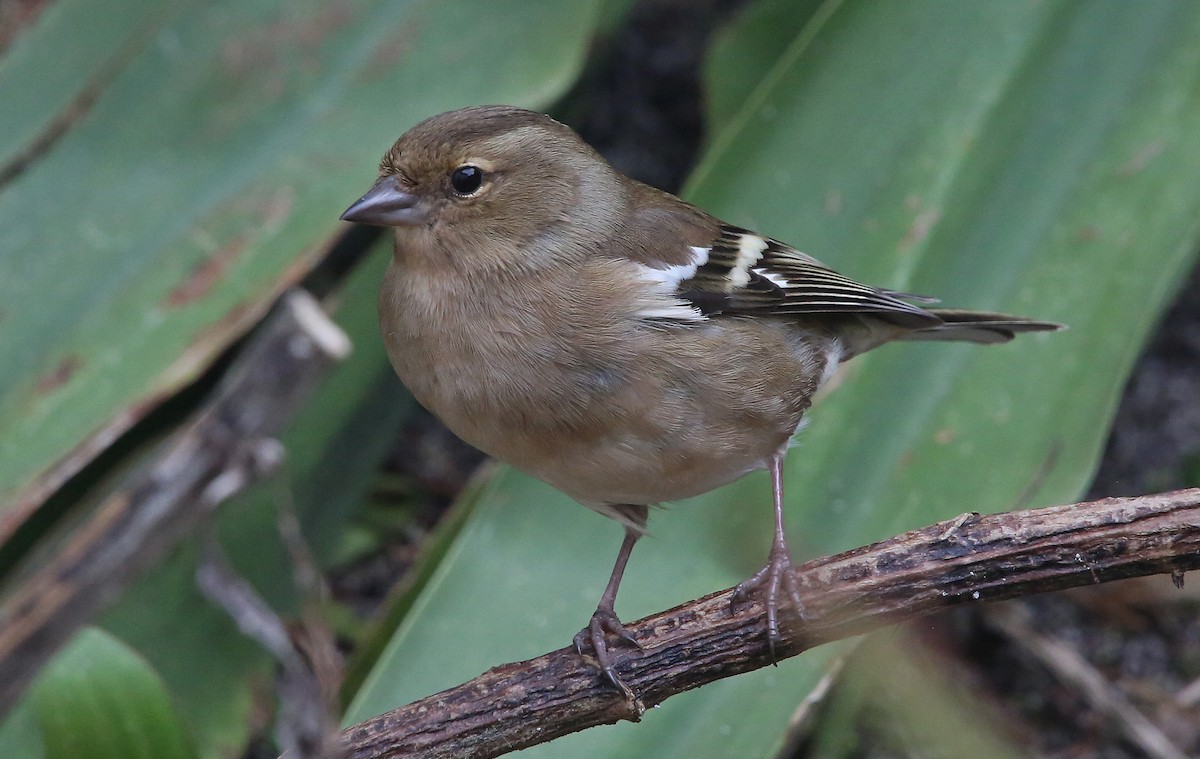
[833, 202]
[205, 274]
[391, 51]
[16, 16]
[58, 376]
[270, 46]
[265, 217]
[268, 62]
[1088, 233]
[1143, 156]
[944, 436]
[920, 228]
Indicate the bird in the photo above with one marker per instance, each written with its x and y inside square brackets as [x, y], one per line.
[610, 339]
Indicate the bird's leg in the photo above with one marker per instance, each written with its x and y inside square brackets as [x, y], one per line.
[604, 620]
[778, 569]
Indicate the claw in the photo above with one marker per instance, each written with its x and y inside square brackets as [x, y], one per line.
[595, 636]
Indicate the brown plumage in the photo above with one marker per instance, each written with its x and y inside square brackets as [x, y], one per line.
[608, 338]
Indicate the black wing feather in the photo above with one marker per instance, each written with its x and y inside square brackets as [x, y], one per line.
[749, 274]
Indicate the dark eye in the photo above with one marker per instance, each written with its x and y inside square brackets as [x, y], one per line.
[466, 179]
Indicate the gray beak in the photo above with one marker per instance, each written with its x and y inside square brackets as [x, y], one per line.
[386, 204]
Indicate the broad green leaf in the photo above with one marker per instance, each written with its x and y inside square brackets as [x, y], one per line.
[97, 698]
[745, 51]
[172, 166]
[1040, 158]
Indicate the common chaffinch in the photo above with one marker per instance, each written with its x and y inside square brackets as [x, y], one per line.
[608, 338]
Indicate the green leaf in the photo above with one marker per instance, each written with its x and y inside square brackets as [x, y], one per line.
[20, 733]
[97, 698]
[745, 51]
[175, 165]
[1038, 158]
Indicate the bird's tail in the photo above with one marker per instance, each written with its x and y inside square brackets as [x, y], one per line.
[978, 326]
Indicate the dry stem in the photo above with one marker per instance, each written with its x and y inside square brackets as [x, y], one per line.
[977, 558]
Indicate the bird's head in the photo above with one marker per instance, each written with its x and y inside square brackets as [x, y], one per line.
[492, 180]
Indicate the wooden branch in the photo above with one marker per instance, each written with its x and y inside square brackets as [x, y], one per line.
[973, 558]
[225, 448]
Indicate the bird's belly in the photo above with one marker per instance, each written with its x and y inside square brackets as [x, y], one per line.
[646, 445]
[630, 472]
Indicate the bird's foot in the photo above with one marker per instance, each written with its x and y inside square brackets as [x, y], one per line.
[595, 637]
[765, 584]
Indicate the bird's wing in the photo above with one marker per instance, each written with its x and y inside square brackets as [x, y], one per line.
[738, 272]
[708, 268]
[741, 272]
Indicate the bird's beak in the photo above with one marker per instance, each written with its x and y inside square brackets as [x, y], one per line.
[386, 204]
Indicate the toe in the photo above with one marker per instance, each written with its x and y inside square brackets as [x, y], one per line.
[793, 590]
[596, 636]
[599, 644]
[745, 589]
[581, 641]
[767, 584]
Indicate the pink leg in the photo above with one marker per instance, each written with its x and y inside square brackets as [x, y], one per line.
[604, 620]
[778, 569]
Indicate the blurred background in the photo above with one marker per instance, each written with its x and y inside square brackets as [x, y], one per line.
[168, 168]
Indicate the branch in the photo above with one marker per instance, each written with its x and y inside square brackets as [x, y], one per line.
[972, 558]
[225, 448]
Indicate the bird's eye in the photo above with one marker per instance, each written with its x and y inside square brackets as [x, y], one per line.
[466, 180]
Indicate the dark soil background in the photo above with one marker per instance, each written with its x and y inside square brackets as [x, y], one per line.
[641, 104]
